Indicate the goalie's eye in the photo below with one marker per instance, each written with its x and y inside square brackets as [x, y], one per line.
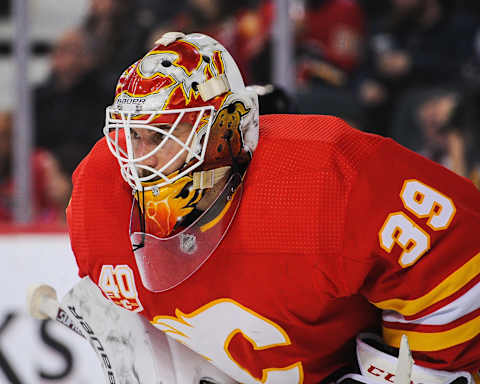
[135, 135]
[157, 137]
[147, 136]
[205, 380]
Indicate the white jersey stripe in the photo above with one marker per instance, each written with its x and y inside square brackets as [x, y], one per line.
[458, 308]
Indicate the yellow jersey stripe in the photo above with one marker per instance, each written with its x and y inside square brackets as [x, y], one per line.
[428, 342]
[476, 377]
[447, 287]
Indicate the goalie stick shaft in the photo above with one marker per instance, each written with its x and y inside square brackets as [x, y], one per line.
[63, 318]
[42, 303]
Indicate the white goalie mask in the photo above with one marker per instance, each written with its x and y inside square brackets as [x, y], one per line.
[184, 80]
[182, 119]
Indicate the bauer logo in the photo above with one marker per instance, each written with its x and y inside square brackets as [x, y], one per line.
[63, 318]
[130, 101]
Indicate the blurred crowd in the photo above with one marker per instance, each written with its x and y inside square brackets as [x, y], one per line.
[407, 69]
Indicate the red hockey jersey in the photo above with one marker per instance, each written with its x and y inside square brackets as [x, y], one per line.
[336, 229]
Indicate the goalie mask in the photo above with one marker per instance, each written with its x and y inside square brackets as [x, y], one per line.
[182, 126]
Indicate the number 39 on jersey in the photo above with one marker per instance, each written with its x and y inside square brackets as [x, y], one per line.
[421, 201]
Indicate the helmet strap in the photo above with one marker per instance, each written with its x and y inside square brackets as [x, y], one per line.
[207, 179]
[141, 218]
[214, 87]
[228, 137]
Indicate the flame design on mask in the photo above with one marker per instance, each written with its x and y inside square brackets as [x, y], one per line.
[167, 206]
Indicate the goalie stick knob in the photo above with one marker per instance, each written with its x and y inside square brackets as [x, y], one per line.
[42, 301]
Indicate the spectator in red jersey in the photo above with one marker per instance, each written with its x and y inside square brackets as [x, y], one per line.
[330, 46]
[331, 40]
[51, 186]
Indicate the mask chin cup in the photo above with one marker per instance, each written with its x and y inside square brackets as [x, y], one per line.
[164, 263]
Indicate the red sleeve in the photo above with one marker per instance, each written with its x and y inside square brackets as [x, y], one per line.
[74, 220]
[99, 211]
[412, 248]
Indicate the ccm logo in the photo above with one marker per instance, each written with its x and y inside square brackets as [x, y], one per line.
[387, 376]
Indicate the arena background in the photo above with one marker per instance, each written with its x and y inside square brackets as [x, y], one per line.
[293, 69]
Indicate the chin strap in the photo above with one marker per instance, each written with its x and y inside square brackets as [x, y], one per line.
[141, 218]
[207, 179]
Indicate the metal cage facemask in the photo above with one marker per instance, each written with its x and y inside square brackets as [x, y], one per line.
[119, 131]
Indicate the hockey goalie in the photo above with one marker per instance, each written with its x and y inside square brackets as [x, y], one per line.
[268, 245]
